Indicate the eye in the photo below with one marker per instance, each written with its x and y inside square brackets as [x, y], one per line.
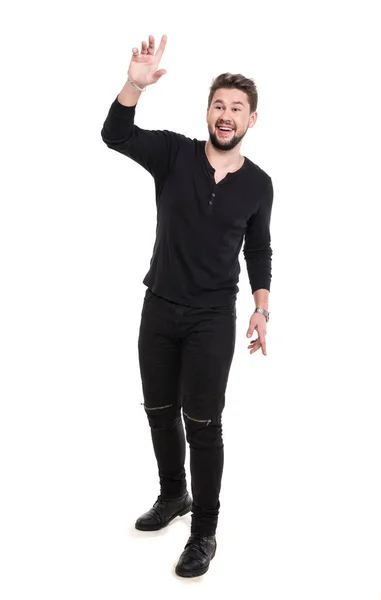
[237, 109]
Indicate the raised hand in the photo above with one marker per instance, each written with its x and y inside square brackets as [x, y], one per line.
[143, 69]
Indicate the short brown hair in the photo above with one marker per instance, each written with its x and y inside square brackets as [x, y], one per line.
[228, 80]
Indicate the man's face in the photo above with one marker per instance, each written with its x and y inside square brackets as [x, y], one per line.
[229, 118]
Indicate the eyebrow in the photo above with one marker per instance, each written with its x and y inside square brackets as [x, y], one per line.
[235, 102]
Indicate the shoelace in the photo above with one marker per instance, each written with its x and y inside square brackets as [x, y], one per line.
[198, 545]
[160, 503]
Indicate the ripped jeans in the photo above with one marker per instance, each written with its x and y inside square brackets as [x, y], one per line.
[185, 354]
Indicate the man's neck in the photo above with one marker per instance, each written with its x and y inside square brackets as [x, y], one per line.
[223, 159]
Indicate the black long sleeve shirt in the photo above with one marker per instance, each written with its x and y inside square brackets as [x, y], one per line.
[201, 225]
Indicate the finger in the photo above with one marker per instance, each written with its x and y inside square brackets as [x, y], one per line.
[161, 47]
[144, 48]
[262, 336]
[262, 339]
[159, 74]
[151, 44]
[255, 344]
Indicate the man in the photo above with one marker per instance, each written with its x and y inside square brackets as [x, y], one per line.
[210, 199]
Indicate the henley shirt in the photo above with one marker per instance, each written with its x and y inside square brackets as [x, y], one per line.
[201, 224]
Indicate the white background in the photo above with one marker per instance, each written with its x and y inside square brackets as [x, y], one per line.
[301, 495]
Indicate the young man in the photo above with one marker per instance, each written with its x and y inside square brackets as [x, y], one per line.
[210, 200]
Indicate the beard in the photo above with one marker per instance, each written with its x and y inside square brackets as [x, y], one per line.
[225, 145]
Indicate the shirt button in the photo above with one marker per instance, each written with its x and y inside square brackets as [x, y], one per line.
[210, 201]
[213, 195]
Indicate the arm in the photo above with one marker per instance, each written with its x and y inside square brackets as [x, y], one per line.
[258, 252]
[156, 151]
[261, 299]
[257, 247]
[129, 95]
[153, 150]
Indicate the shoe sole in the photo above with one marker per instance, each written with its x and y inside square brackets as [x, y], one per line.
[181, 513]
[197, 573]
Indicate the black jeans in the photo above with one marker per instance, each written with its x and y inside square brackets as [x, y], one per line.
[185, 355]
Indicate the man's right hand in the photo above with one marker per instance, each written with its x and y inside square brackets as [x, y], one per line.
[143, 69]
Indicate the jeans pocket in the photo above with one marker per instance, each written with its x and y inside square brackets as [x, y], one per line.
[229, 311]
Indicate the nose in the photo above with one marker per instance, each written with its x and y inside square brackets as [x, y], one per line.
[226, 115]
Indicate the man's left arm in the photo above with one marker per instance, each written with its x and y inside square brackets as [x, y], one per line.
[258, 255]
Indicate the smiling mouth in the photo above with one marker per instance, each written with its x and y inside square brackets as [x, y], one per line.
[224, 129]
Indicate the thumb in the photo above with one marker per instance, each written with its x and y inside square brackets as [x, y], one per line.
[156, 76]
[250, 330]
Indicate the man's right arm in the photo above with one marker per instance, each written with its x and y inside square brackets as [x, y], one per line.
[156, 151]
[129, 95]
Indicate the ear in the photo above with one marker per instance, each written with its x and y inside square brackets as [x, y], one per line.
[253, 119]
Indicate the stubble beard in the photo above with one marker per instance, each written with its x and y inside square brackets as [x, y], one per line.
[225, 146]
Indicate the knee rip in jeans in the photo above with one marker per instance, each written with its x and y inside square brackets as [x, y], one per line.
[204, 421]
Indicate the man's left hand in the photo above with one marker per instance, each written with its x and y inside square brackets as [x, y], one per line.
[258, 324]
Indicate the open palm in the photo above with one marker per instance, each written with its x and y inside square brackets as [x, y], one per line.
[143, 69]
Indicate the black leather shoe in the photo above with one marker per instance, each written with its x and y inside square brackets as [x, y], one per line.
[198, 552]
[163, 512]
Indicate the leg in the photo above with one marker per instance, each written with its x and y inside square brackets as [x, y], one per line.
[160, 363]
[206, 359]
